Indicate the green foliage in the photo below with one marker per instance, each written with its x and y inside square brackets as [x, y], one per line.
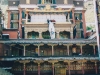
[89, 27]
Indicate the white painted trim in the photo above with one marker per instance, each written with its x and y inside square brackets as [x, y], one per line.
[13, 8]
[79, 8]
[28, 6]
[64, 6]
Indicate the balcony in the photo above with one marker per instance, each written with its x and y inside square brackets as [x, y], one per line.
[48, 41]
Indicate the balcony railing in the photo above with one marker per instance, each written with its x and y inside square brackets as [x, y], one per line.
[48, 41]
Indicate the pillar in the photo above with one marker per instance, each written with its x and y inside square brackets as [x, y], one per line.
[26, 17]
[68, 18]
[57, 35]
[81, 49]
[24, 70]
[96, 67]
[53, 68]
[84, 22]
[73, 16]
[25, 35]
[52, 50]
[38, 68]
[71, 34]
[38, 50]
[94, 49]
[9, 18]
[68, 49]
[69, 68]
[24, 50]
[82, 68]
[40, 35]
[20, 21]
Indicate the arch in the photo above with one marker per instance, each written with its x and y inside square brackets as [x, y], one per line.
[46, 35]
[64, 35]
[33, 35]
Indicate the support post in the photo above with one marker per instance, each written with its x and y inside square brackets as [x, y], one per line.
[69, 68]
[24, 50]
[81, 49]
[57, 35]
[38, 50]
[38, 68]
[24, 73]
[52, 50]
[96, 71]
[9, 18]
[68, 49]
[40, 35]
[83, 68]
[53, 68]
[94, 49]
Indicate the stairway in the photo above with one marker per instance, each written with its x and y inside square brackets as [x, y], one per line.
[4, 72]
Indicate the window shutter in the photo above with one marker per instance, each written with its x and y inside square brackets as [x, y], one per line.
[80, 16]
[11, 16]
[54, 1]
[71, 15]
[11, 25]
[23, 14]
[81, 25]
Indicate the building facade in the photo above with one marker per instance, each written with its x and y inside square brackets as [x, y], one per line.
[48, 37]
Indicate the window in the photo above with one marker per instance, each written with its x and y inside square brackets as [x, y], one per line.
[14, 25]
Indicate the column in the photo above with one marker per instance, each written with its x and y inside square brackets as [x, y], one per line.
[25, 35]
[52, 50]
[96, 67]
[69, 68]
[53, 68]
[83, 68]
[20, 21]
[71, 34]
[81, 49]
[84, 22]
[68, 49]
[26, 17]
[68, 17]
[94, 49]
[57, 35]
[9, 18]
[38, 50]
[24, 72]
[24, 50]
[73, 16]
[40, 35]
[38, 68]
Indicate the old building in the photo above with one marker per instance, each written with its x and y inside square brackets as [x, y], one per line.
[48, 37]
